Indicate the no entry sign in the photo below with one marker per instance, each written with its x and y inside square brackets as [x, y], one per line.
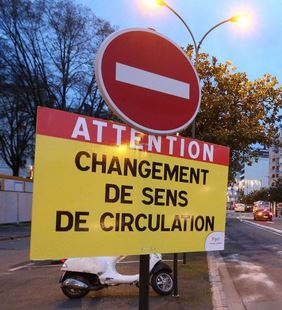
[148, 81]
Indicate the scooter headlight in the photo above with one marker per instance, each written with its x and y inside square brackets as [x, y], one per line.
[65, 265]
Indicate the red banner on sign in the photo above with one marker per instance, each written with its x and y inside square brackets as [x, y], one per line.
[72, 126]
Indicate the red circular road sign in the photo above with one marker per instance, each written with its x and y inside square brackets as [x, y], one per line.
[148, 81]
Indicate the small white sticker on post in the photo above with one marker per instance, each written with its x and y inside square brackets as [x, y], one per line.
[215, 241]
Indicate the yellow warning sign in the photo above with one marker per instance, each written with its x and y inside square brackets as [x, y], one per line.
[102, 192]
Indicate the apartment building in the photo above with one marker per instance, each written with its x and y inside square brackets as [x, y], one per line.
[275, 162]
[255, 176]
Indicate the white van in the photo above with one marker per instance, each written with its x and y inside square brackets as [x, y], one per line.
[239, 207]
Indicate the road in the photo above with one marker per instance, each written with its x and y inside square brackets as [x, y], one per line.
[250, 268]
[253, 264]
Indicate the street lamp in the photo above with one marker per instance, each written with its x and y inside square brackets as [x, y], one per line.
[237, 18]
[234, 19]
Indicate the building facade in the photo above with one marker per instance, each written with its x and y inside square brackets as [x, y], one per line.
[275, 162]
[255, 176]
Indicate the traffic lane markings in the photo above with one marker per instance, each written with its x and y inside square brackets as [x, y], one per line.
[36, 264]
[265, 228]
[28, 265]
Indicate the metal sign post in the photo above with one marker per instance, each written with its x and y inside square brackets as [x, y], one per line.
[184, 258]
[175, 275]
[144, 282]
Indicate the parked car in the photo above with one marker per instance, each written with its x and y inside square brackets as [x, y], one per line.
[263, 215]
[248, 208]
[258, 205]
[279, 209]
[239, 207]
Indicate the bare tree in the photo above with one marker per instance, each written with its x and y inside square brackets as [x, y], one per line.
[16, 133]
[47, 54]
[51, 45]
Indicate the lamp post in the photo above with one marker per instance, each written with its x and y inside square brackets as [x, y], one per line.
[198, 46]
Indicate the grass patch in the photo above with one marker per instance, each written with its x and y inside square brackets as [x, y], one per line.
[193, 286]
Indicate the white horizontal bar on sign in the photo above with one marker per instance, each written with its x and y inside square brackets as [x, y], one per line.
[153, 81]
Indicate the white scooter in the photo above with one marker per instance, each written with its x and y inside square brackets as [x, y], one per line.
[81, 275]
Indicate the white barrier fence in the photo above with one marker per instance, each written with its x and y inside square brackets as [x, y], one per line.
[15, 207]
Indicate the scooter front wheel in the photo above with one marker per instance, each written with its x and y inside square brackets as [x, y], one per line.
[162, 282]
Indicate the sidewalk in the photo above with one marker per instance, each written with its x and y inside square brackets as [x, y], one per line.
[13, 231]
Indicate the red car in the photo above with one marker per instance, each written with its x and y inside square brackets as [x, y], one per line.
[263, 215]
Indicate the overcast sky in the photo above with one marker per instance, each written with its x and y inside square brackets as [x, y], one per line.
[256, 49]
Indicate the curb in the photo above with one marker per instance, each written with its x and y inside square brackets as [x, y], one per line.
[218, 296]
[14, 237]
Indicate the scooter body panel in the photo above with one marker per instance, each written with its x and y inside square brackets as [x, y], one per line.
[104, 267]
[94, 265]
[160, 266]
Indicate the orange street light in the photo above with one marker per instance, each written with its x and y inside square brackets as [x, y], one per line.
[241, 19]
